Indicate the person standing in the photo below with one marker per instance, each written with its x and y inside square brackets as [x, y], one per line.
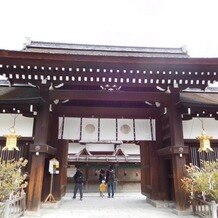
[78, 179]
[110, 180]
[101, 176]
[102, 188]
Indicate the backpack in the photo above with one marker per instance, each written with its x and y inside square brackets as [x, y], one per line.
[79, 178]
[111, 176]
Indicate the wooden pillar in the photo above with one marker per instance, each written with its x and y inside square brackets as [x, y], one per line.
[38, 159]
[164, 180]
[60, 180]
[52, 140]
[162, 166]
[149, 170]
[145, 170]
[178, 161]
[154, 170]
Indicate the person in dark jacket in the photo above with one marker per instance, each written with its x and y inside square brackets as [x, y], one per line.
[101, 176]
[78, 179]
[110, 180]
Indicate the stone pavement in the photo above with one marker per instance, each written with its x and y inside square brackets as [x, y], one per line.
[123, 205]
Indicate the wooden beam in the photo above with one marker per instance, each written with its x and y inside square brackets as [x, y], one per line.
[46, 149]
[173, 150]
[108, 96]
[48, 58]
[106, 112]
[83, 68]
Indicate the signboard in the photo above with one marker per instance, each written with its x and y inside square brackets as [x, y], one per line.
[54, 166]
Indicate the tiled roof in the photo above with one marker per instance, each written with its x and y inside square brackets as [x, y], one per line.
[17, 95]
[203, 99]
[104, 50]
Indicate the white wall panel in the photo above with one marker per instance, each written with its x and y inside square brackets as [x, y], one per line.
[193, 128]
[74, 148]
[23, 125]
[100, 147]
[130, 148]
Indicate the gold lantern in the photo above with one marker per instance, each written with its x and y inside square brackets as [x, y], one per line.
[11, 140]
[204, 142]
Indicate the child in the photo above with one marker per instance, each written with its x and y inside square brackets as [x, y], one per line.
[102, 188]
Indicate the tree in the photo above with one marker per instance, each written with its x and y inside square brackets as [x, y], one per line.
[202, 181]
[12, 178]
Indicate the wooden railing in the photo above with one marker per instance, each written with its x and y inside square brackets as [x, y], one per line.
[15, 207]
[205, 209]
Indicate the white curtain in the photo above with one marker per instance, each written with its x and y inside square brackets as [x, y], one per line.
[107, 129]
[143, 129]
[71, 128]
[125, 129]
[89, 129]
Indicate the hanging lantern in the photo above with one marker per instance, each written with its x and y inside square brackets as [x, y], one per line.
[11, 140]
[204, 142]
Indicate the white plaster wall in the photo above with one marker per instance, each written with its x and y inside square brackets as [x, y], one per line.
[127, 148]
[76, 147]
[23, 125]
[130, 148]
[100, 147]
[193, 128]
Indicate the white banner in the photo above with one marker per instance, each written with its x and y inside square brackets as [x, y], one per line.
[143, 129]
[71, 128]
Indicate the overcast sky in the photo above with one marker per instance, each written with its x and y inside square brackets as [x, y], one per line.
[152, 23]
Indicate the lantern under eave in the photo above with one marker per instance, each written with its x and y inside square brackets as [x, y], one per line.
[204, 140]
[11, 141]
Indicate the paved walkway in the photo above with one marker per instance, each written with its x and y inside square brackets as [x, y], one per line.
[123, 205]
